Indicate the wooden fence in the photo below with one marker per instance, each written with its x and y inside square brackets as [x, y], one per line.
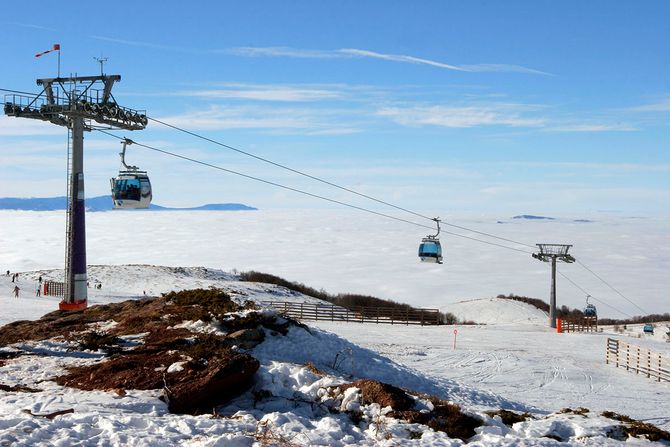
[588, 324]
[53, 288]
[639, 360]
[359, 314]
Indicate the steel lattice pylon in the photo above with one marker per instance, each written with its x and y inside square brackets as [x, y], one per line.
[76, 103]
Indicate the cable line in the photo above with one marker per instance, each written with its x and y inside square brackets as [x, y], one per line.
[360, 208]
[644, 312]
[587, 293]
[18, 92]
[318, 179]
[289, 188]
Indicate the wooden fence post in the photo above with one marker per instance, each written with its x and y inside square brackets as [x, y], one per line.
[627, 356]
[637, 365]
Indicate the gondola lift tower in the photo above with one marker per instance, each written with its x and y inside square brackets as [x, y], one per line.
[80, 103]
[552, 253]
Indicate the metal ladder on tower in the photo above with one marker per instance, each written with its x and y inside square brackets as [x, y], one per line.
[68, 219]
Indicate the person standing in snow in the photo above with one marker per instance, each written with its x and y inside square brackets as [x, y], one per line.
[13, 277]
[38, 291]
[16, 291]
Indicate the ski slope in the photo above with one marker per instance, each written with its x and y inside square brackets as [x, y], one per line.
[497, 311]
[521, 367]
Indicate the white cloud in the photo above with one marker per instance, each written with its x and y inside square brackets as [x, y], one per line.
[340, 53]
[361, 53]
[461, 117]
[603, 127]
[410, 169]
[306, 121]
[398, 58]
[19, 127]
[267, 93]
[31, 25]
[611, 167]
[137, 43]
[281, 52]
[503, 68]
[660, 106]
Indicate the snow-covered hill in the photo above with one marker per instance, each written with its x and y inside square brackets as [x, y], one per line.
[497, 311]
[289, 403]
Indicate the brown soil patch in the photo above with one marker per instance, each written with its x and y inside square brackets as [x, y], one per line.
[212, 372]
[382, 393]
[635, 428]
[137, 370]
[581, 411]
[200, 387]
[510, 418]
[445, 417]
[132, 316]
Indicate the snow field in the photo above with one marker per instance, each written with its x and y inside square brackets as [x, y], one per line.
[518, 367]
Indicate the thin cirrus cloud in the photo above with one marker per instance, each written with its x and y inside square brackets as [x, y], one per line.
[592, 127]
[509, 115]
[616, 168]
[360, 53]
[659, 106]
[493, 114]
[14, 127]
[341, 53]
[266, 93]
[284, 119]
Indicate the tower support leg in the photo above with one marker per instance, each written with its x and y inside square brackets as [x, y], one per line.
[552, 300]
[76, 296]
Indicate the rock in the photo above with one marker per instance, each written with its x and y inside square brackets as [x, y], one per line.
[247, 338]
[199, 388]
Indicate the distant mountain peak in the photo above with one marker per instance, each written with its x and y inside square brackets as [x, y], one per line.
[531, 217]
[103, 203]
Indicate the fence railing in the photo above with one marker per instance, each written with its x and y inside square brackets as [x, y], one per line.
[639, 360]
[359, 314]
[53, 288]
[588, 324]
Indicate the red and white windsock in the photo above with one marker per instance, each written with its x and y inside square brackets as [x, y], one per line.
[55, 48]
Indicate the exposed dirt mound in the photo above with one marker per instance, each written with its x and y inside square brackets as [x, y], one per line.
[382, 393]
[200, 387]
[445, 417]
[136, 370]
[634, 428]
[510, 418]
[132, 317]
[196, 370]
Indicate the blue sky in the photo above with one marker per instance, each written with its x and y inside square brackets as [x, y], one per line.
[444, 107]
